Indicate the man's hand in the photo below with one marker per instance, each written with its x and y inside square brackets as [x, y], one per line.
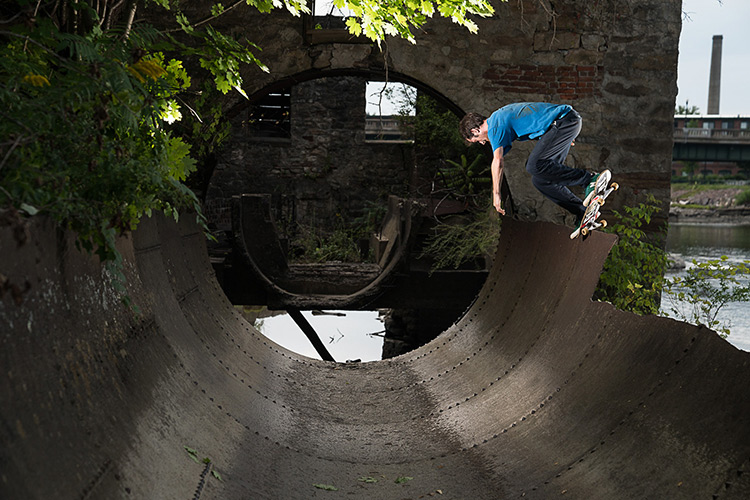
[498, 202]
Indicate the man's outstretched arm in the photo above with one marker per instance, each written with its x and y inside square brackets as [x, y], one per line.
[497, 178]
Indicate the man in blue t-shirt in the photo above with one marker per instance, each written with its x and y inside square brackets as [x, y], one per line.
[555, 126]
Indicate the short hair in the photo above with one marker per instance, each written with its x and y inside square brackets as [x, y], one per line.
[468, 122]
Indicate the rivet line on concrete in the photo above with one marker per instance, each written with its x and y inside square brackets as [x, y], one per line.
[242, 380]
[641, 404]
[477, 310]
[258, 336]
[536, 410]
[457, 329]
[95, 480]
[483, 389]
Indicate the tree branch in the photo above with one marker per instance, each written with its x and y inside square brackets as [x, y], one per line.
[131, 17]
[211, 17]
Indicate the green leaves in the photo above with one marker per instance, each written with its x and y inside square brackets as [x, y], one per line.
[184, 23]
[178, 160]
[706, 288]
[633, 273]
[223, 55]
[193, 454]
[88, 147]
[376, 20]
[88, 104]
[464, 179]
[369, 480]
[633, 276]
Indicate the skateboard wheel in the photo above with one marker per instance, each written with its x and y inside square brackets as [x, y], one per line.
[600, 201]
[615, 186]
[603, 223]
[584, 231]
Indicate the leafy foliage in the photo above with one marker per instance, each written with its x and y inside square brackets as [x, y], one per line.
[223, 56]
[706, 287]
[687, 109]
[633, 273]
[743, 198]
[462, 173]
[89, 145]
[433, 126]
[375, 20]
[633, 278]
[339, 245]
[467, 180]
[193, 454]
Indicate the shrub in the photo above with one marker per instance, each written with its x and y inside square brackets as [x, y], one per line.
[634, 271]
[743, 198]
[705, 289]
[452, 244]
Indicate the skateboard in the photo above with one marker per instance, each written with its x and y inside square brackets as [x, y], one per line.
[590, 220]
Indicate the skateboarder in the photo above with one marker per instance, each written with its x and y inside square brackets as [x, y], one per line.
[555, 126]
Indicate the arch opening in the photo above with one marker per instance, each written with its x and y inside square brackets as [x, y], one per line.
[329, 166]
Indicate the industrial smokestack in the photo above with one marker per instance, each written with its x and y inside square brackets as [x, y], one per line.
[714, 77]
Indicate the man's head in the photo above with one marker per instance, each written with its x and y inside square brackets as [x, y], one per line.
[473, 128]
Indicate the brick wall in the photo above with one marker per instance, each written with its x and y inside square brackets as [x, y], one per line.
[555, 82]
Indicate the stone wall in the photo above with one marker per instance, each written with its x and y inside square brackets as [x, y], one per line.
[324, 173]
[615, 61]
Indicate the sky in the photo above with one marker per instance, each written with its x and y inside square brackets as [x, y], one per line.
[702, 19]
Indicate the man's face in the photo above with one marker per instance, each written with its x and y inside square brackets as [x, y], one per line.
[478, 135]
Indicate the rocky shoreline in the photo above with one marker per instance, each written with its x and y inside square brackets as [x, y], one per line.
[723, 215]
[709, 206]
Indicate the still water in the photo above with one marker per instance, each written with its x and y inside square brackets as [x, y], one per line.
[347, 335]
[703, 242]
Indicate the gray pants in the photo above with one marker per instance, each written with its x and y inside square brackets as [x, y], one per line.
[549, 174]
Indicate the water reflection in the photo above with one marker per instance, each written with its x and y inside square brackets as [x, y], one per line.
[709, 240]
[703, 242]
[347, 335]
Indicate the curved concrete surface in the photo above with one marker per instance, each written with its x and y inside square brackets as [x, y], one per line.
[536, 392]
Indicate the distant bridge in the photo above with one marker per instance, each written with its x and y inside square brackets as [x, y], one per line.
[704, 144]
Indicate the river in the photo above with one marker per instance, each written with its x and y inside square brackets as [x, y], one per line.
[703, 242]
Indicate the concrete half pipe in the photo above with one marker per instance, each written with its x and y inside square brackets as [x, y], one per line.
[536, 392]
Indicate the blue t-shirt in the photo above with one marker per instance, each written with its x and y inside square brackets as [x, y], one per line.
[522, 121]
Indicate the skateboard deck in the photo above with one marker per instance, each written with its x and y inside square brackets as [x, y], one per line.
[590, 220]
